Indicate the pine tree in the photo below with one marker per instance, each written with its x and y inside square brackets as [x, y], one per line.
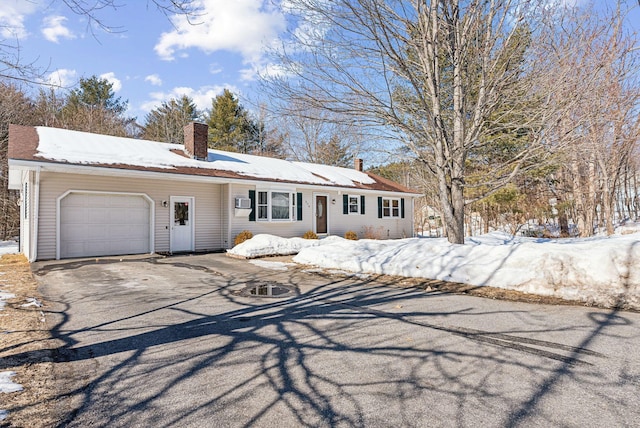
[230, 127]
[93, 107]
[166, 123]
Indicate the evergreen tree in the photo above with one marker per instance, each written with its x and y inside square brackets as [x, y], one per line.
[93, 107]
[166, 123]
[333, 152]
[230, 126]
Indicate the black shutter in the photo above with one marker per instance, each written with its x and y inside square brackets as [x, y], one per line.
[345, 204]
[402, 207]
[252, 214]
[379, 206]
[299, 206]
[362, 204]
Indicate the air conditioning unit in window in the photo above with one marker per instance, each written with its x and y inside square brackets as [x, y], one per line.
[243, 203]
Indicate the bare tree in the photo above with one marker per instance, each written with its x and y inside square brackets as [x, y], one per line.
[441, 76]
[16, 108]
[602, 124]
[318, 136]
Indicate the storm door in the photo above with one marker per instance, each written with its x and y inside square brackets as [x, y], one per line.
[181, 220]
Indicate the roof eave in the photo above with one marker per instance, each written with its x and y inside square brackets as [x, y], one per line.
[50, 166]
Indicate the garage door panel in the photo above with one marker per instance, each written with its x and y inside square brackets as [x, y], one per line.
[103, 224]
[97, 215]
[97, 233]
[69, 232]
[73, 215]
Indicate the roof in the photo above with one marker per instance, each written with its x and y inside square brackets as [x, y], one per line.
[66, 147]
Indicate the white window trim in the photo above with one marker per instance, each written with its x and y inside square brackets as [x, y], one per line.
[358, 200]
[391, 207]
[270, 191]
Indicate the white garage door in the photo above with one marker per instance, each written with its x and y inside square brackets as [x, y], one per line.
[93, 224]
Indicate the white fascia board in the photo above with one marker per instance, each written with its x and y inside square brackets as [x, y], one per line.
[15, 179]
[132, 173]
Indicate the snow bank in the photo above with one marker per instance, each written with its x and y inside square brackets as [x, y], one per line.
[270, 245]
[604, 271]
[599, 270]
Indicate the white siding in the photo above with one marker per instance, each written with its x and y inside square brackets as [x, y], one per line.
[338, 223]
[385, 228]
[287, 229]
[227, 239]
[208, 223]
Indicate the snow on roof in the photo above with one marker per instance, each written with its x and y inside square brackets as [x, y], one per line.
[90, 149]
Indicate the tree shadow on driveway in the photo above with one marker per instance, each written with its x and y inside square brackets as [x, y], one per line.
[344, 352]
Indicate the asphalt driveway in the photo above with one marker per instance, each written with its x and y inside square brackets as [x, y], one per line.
[177, 342]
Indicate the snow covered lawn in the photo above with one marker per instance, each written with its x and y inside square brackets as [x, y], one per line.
[600, 270]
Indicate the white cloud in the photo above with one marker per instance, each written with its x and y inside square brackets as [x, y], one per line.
[116, 84]
[62, 77]
[215, 68]
[241, 26]
[12, 17]
[201, 97]
[154, 79]
[54, 29]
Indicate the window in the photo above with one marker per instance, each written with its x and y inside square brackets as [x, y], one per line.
[275, 206]
[263, 206]
[280, 205]
[354, 205]
[390, 207]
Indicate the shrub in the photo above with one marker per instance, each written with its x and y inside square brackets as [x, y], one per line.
[310, 235]
[351, 235]
[242, 236]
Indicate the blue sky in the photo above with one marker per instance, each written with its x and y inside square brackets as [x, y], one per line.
[149, 57]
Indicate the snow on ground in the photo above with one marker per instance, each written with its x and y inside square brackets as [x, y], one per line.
[270, 245]
[8, 247]
[5, 296]
[600, 270]
[272, 265]
[6, 385]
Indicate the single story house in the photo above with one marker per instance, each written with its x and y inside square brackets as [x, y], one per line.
[88, 195]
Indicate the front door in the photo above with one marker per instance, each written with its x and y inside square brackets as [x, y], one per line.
[321, 214]
[182, 236]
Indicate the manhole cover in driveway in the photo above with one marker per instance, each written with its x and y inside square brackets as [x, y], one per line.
[268, 289]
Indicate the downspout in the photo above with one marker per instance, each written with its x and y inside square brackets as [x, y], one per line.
[36, 216]
[413, 216]
[228, 216]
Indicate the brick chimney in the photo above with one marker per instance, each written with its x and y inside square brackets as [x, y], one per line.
[196, 136]
[359, 165]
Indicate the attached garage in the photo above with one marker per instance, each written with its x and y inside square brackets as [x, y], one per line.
[103, 224]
